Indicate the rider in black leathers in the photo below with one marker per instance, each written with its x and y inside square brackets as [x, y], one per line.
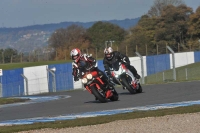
[79, 58]
[111, 56]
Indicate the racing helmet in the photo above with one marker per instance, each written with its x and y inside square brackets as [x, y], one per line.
[108, 53]
[75, 54]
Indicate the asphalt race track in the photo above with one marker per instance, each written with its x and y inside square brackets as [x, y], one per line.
[79, 101]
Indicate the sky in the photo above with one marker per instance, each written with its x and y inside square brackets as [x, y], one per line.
[20, 13]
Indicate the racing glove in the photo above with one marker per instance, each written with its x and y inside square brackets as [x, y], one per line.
[110, 78]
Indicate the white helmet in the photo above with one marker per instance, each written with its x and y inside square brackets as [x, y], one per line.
[108, 53]
[75, 54]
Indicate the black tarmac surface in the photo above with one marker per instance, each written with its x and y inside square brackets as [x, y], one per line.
[82, 101]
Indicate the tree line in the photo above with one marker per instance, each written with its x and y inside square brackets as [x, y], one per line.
[168, 22]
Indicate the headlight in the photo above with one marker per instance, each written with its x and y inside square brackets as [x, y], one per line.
[84, 80]
[89, 76]
[116, 75]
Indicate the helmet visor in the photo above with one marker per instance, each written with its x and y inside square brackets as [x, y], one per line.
[108, 55]
[74, 57]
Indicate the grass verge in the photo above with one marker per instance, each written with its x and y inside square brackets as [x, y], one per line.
[101, 119]
[189, 72]
[12, 100]
[8, 66]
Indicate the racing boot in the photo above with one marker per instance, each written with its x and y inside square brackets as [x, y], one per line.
[107, 83]
[137, 76]
[109, 89]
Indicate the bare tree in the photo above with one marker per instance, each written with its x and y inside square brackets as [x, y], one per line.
[63, 38]
[158, 6]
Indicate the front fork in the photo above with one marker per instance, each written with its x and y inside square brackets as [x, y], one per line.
[99, 87]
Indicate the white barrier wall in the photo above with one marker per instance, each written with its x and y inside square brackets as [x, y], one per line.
[37, 79]
[182, 59]
[78, 84]
[136, 62]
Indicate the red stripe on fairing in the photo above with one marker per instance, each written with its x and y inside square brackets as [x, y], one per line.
[88, 89]
[94, 73]
[123, 66]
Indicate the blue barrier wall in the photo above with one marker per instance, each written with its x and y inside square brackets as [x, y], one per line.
[100, 65]
[12, 83]
[197, 56]
[157, 63]
[64, 79]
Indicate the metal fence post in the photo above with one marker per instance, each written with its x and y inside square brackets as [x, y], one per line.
[26, 80]
[52, 71]
[1, 88]
[186, 74]
[142, 67]
[163, 76]
[173, 61]
[19, 90]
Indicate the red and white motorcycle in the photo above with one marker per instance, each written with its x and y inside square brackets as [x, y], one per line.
[123, 76]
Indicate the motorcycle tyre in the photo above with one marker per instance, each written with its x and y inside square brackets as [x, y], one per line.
[96, 93]
[139, 90]
[127, 85]
[115, 96]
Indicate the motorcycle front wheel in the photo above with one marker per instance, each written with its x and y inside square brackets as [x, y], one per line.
[98, 95]
[125, 83]
[115, 96]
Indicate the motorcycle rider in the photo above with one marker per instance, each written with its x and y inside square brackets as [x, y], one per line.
[111, 56]
[77, 58]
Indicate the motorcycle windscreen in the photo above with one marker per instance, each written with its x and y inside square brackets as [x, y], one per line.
[83, 65]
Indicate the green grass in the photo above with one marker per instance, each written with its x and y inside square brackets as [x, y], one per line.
[9, 66]
[101, 119]
[189, 72]
[11, 100]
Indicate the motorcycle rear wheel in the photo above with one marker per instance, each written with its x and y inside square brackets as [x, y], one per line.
[97, 94]
[139, 90]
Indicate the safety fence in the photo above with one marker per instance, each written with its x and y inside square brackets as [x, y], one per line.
[58, 77]
[182, 74]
